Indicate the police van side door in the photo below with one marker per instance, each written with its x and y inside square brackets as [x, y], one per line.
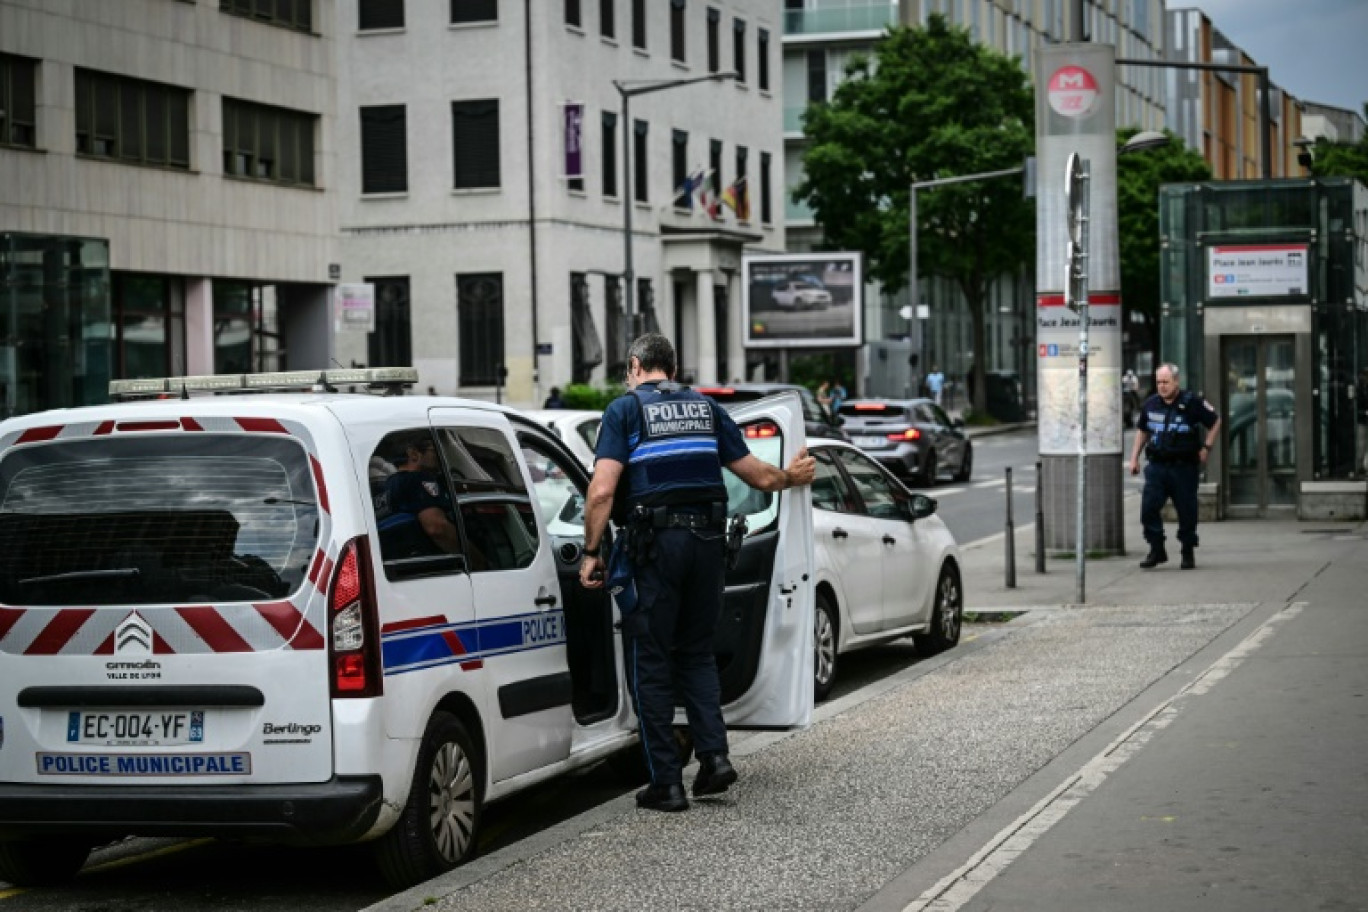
[764, 637]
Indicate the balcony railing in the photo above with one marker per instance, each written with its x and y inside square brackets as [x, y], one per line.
[853, 17]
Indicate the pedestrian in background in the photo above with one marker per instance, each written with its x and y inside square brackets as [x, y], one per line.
[935, 382]
[1176, 428]
[671, 522]
[554, 401]
[838, 396]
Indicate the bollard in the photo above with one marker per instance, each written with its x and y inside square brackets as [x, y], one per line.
[1010, 537]
[1039, 524]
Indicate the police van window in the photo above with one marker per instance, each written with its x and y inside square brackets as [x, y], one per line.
[830, 490]
[406, 481]
[139, 520]
[491, 499]
[759, 507]
[561, 502]
[881, 498]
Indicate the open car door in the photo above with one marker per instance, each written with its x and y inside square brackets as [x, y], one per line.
[764, 636]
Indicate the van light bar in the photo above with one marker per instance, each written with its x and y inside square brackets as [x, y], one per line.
[278, 380]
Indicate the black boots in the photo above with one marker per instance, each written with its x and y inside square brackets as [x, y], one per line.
[1189, 559]
[715, 775]
[1157, 555]
[663, 798]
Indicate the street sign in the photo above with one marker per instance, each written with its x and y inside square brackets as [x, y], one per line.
[1072, 91]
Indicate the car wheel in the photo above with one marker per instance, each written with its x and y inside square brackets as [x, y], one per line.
[966, 464]
[41, 862]
[824, 642]
[440, 821]
[928, 470]
[947, 615]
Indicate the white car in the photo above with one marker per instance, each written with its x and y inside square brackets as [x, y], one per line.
[578, 428]
[886, 566]
[796, 295]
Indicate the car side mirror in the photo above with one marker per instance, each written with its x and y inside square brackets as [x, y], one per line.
[922, 506]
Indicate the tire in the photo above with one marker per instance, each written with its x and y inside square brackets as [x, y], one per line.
[927, 476]
[966, 468]
[824, 641]
[41, 862]
[440, 822]
[947, 615]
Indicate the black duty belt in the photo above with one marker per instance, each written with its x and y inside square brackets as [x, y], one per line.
[1179, 458]
[690, 521]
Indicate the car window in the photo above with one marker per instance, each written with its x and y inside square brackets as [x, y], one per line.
[760, 508]
[589, 431]
[926, 414]
[881, 498]
[830, 490]
[812, 409]
[180, 519]
[561, 502]
[939, 414]
[491, 500]
[400, 491]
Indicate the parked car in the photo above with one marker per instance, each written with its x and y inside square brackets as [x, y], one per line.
[913, 438]
[578, 428]
[885, 565]
[816, 417]
[799, 295]
[241, 616]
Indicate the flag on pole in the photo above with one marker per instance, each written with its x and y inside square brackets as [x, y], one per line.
[684, 193]
[707, 195]
[737, 198]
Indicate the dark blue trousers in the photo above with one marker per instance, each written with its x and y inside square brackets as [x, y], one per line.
[668, 647]
[1178, 481]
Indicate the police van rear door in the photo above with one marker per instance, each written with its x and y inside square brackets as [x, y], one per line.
[764, 637]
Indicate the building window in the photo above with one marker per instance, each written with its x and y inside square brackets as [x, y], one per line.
[639, 169]
[609, 157]
[480, 310]
[132, 120]
[573, 16]
[739, 49]
[384, 149]
[639, 24]
[816, 76]
[381, 14]
[247, 336]
[586, 348]
[679, 167]
[149, 325]
[391, 345]
[715, 168]
[475, 142]
[714, 42]
[766, 205]
[645, 306]
[762, 62]
[18, 123]
[267, 143]
[469, 11]
[295, 14]
[607, 23]
[741, 185]
[677, 30]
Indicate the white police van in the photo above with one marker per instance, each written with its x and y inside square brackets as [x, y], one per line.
[213, 622]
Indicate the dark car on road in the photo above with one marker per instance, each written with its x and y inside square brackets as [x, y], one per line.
[913, 438]
[818, 421]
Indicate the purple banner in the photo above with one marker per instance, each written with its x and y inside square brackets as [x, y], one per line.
[572, 122]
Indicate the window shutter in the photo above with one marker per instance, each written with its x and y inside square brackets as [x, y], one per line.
[475, 132]
[384, 149]
[381, 14]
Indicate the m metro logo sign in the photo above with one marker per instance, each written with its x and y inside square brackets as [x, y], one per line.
[1072, 91]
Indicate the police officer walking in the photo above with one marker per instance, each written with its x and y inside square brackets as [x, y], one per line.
[1176, 428]
[658, 469]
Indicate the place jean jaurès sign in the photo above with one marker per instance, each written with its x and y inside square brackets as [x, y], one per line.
[1257, 271]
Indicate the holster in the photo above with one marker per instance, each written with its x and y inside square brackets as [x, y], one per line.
[736, 536]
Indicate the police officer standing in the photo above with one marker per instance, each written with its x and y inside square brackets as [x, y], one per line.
[1176, 428]
[660, 453]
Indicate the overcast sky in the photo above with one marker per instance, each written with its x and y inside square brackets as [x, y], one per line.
[1315, 49]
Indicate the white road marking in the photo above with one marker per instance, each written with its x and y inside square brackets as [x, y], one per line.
[957, 888]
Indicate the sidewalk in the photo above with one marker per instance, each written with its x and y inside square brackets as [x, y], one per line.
[1184, 740]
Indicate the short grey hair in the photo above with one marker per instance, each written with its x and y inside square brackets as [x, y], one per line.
[1170, 367]
[654, 352]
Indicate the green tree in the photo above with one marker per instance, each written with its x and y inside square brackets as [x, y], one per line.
[1331, 159]
[929, 103]
[1138, 177]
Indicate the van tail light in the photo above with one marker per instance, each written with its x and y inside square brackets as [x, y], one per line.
[909, 434]
[762, 429]
[353, 628]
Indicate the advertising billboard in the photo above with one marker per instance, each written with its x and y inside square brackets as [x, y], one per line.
[803, 300]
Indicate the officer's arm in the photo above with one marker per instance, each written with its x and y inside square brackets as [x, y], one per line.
[765, 477]
[1141, 438]
[599, 501]
[440, 530]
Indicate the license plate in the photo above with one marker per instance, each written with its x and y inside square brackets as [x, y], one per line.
[871, 441]
[141, 727]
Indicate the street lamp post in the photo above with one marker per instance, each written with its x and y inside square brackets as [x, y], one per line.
[628, 90]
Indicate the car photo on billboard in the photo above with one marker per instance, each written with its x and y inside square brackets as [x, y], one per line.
[803, 300]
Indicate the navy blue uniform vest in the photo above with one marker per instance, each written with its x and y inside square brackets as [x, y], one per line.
[1176, 430]
[674, 454]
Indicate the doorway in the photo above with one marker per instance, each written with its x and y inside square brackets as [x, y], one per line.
[1260, 433]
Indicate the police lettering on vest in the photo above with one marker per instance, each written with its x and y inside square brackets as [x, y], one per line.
[1176, 430]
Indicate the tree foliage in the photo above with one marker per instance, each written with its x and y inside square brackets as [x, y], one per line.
[1138, 178]
[929, 103]
[1330, 159]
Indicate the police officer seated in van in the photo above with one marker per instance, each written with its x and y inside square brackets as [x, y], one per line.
[414, 512]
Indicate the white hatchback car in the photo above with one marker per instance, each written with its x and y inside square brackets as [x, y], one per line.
[578, 428]
[886, 566]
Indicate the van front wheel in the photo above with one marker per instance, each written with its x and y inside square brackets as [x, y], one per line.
[440, 823]
[41, 862]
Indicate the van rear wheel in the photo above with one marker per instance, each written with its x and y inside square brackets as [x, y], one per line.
[41, 862]
[441, 820]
